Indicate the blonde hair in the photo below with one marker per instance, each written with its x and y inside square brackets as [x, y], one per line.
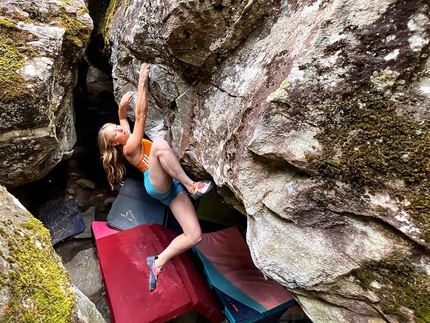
[111, 156]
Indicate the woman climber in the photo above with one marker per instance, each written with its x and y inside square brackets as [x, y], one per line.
[164, 178]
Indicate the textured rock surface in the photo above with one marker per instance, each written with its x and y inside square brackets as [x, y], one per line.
[314, 114]
[40, 45]
[85, 272]
[34, 284]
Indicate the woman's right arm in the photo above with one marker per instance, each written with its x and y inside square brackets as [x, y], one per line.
[142, 100]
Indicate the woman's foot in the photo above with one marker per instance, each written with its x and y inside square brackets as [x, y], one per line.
[153, 272]
[201, 188]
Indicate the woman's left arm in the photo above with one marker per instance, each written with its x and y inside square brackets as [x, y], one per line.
[134, 142]
[122, 110]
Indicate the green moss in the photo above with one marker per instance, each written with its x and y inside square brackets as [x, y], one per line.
[39, 286]
[107, 21]
[84, 10]
[401, 284]
[368, 144]
[28, 225]
[76, 31]
[10, 61]
[13, 50]
[7, 23]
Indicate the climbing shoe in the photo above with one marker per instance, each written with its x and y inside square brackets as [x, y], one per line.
[201, 188]
[153, 272]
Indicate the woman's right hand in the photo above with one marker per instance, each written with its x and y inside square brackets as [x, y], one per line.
[144, 74]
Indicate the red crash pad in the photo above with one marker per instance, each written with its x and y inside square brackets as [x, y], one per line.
[101, 229]
[122, 258]
[198, 288]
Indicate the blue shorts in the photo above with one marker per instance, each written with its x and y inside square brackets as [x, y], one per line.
[166, 197]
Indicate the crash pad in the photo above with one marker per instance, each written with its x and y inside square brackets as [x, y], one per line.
[101, 229]
[122, 258]
[62, 217]
[133, 206]
[246, 295]
[198, 289]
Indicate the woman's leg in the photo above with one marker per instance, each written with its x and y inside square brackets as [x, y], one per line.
[185, 214]
[164, 166]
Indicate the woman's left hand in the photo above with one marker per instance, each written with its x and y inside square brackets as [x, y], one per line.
[126, 99]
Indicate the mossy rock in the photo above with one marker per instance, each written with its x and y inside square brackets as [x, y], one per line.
[37, 285]
[15, 48]
[400, 284]
[368, 144]
[12, 58]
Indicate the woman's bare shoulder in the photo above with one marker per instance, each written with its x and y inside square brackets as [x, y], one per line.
[132, 150]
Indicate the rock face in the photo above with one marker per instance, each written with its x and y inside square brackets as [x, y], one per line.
[314, 114]
[40, 45]
[34, 283]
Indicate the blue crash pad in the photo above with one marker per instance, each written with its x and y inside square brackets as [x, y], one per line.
[133, 206]
[62, 218]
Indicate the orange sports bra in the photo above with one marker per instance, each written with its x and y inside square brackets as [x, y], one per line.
[143, 164]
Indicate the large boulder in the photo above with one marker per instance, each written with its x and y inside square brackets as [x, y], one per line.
[40, 45]
[314, 114]
[35, 286]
